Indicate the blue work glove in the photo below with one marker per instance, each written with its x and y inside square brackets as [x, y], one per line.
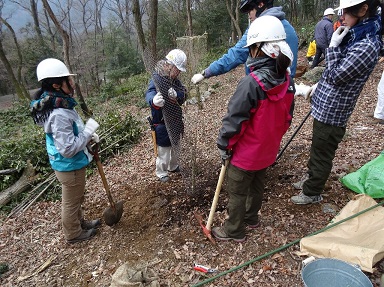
[225, 155]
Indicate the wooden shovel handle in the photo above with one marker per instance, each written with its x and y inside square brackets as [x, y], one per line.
[217, 193]
[95, 153]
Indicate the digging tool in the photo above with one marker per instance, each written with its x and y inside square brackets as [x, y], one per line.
[293, 135]
[207, 228]
[153, 135]
[111, 214]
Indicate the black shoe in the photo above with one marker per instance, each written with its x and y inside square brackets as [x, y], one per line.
[177, 169]
[85, 235]
[89, 224]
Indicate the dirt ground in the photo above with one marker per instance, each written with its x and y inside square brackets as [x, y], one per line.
[158, 229]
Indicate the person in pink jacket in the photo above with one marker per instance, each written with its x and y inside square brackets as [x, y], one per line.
[259, 114]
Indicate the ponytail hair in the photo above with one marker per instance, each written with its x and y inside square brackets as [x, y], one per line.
[282, 63]
[47, 85]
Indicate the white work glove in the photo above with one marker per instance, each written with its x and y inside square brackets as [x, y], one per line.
[302, 90]
[172, 93]
[91, 126]
[338, 36]
[95, 138]
[310, 92]
[158, 100]
[197, 78]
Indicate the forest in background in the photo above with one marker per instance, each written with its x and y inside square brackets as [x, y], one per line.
[110, 40]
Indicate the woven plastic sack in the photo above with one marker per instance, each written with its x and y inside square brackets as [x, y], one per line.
[369, 179]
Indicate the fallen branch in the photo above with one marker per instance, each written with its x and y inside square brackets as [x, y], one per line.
[31, 198]
[8, 171]
[38, 270]
[24, 182]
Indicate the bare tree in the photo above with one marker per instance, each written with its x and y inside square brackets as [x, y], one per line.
[66, 45]
[189, 17]
[148, 48]
[234, 16]
[20, 89]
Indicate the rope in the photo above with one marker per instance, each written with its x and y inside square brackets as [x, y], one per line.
[284, 247]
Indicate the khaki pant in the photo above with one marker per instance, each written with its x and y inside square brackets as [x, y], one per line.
[245, 189]
[73, 187]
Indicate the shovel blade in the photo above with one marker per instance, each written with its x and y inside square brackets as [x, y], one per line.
[112, 215]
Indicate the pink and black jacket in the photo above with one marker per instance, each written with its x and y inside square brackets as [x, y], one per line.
[259, 113]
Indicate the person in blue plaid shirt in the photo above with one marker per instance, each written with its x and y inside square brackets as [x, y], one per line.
[351, 57]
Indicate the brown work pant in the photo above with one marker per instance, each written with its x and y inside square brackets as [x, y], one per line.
[73, 187]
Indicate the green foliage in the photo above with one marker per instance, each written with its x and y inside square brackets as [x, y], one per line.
[122, 58]
[130, 92]
[20, 140]
[3, 268]
[306, 34]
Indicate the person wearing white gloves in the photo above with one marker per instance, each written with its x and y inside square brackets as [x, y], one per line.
[53, 108]
[237, 54]
[351, 57]
[165, 95]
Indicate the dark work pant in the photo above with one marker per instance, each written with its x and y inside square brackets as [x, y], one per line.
[318, 56]
[325, 140]
[245, 189]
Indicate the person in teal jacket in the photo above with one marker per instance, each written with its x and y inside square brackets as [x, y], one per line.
[238, 54]
[66, 142]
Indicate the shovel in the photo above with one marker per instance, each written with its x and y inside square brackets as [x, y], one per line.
[207, 228]
[112, 214]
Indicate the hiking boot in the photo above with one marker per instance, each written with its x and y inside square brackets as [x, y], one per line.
[89, 224]
[301, 198]
[164, 178]
[299, 185]
[85, 235]
[177, 169]
[252, 226]
[219, 233]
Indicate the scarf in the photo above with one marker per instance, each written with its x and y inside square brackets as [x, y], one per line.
[48, 101]
[368, 28]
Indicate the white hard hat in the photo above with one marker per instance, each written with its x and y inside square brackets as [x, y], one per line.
[348, 3]
[265, 29]
[177, 58]
[52, 68]
[329, 11]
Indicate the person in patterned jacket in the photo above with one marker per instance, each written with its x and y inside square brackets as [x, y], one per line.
[351, 57]
[259, 114]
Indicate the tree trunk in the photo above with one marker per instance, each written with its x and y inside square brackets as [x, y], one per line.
[24, 182]
[233, 20]
[189, 17]
[19, 88]
[23, 91]
[66, 44]
[148, 60]
[36, 22]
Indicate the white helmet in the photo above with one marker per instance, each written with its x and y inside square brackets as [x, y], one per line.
[177, 58]
[328, 11]
[348, 3]
[52, 68]
[265, 29]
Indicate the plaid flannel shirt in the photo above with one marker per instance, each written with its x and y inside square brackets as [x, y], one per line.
[347, 70]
